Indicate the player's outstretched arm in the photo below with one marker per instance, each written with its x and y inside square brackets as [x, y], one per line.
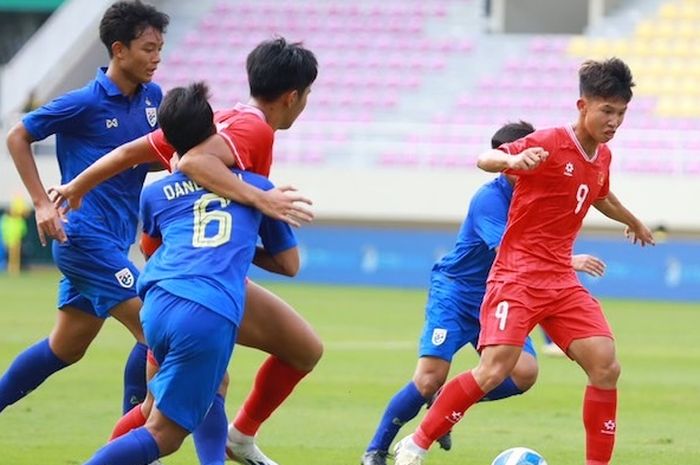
[494, 161]
[611, 207]
[209, 164]
[48, 220]
[589, 264]
[70, 195]
[285, 263]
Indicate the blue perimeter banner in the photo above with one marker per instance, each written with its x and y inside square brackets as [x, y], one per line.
[403, 257]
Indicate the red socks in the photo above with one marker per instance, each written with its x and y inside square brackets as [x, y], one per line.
[274, 382]
[599, 421]
[131, 420]
[456, 397]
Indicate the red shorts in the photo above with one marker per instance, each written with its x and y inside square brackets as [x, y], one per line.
[510, 311]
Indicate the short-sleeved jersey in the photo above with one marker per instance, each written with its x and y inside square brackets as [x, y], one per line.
[244, 130]
[469, 262]
[208, 242]
[548, 207]
[88, 123]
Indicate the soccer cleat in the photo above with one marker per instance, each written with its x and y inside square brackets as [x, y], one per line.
[242, 449]
[407, 452]
[374, 457]
[445, 441]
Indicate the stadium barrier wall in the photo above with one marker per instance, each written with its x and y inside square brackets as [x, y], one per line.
[404, 256]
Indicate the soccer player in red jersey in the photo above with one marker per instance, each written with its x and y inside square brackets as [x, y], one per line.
[560, 173]
[280, 75]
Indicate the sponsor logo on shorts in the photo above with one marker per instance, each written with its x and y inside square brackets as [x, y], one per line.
[439, 336]
[125, 278]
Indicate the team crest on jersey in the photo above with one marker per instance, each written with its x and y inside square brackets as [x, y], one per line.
[601, 179]
[569, 169]
[151, 116]
[125, 278]
[439, 336]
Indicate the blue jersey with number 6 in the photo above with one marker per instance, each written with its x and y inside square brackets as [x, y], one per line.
[208, 242]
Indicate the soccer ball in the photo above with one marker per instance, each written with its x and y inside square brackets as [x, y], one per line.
[519, 456]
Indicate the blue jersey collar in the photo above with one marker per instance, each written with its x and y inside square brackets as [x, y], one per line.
[108, 85]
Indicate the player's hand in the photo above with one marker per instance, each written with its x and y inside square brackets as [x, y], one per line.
[64, 199]
[49, 223]
[528, 159]
[589, 264]
[285, 204]
[639, 233]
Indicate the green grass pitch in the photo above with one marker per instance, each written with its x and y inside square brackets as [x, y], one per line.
[370, 340]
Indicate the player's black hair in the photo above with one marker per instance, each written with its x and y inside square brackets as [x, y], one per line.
[125, 21]
[511, 132]
[608, 79]
[186, 117]
[276, 66]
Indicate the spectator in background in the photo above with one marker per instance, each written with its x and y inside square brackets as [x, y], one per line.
[13, 226]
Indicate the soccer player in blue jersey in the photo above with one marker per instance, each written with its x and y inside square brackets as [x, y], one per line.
[98, 280]
[193, 286]
[458, 283]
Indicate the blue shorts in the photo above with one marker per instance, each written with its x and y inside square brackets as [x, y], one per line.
[193, 347]
[97, 275]
[451, 322]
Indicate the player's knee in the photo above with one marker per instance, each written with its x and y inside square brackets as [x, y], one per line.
[488, 376]
[605, 374]
[70, 354]
[428, 384]
[525, 374]
[168, 443]
[310, 356]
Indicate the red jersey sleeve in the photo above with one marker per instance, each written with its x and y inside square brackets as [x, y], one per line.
[161, 147]
[149, 244]
[545, 138]
[250, 139]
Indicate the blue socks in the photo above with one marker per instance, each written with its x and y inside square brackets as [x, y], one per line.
[135, 377]
[403, 407]
[506, 389]
[134, 448]
[210, 435]
[27, 372]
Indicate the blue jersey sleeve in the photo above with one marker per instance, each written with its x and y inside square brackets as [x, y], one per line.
[150, 226]
[277, 236]
[489, 219]
[64, 114]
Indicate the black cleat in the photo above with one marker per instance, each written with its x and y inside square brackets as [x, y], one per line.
[374, 457]
[445, 441]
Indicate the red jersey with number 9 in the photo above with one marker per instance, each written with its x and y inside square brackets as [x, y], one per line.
[548, 207]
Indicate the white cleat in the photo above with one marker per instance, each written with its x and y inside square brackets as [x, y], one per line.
[407, 452]
[242, 449]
